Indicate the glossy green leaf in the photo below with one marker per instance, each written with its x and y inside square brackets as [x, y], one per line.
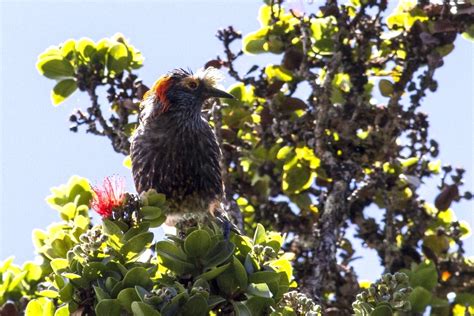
[277, 72]
[111, 228]
[68, 49]
[126, 297]
[93, 270]
[297, 178]
[197, 243]
[219, 254]
[260, 289]
[425, 276]
[385, 87]
[257, 305]
[62, 311]
[253, 43]
[143, 309]
[54, 67]
[150, 212]
[214, 272]
[62, 90]
[259, 235]
[108, 307]
[241, 309]
[118, 58]
[173, 257]
[195, 306]
[40, 307]
[86, 47]
[137, 245]
[137, 276]
[419, 299]
[100, 293]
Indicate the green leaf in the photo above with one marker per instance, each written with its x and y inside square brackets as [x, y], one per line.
[425, 276]
[117, 60]
[241, 309]
[215, 300]
[419, 299]
[93, 271]
[173, 257]
[137, 245]
[271, 278]
[62, 311]
[150, 212]
[195, 306]
[34, 272]
[233, 278]
[157, 221]
[66, 292]
[257, 305]
[277, 72]
[260, 289]
[86, 47]
[40, 307]
[386, 87]
[68, 48]
[213, 273]
[110, 228]
[219, 254]
[62, 90]
[239, 273]
[465, 298]
[259, 235]
[137, 276]
[108, 307]
[126, 297]
[134, 231]
[48, 293]
[100, 293]
[16, 280]
[469, 34]
[197, 243]
[143, 309]
[406, 163]
[284, 152]
[253, 43]
[54, 67]
[238, 91]
[298, 177]
[382, 310]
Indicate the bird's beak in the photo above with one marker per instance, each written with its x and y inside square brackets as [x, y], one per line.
[212, 92]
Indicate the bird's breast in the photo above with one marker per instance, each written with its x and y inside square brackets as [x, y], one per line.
[182, 163]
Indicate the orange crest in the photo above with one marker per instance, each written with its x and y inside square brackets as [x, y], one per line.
[159, 89]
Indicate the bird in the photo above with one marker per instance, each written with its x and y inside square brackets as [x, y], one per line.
[174, 149]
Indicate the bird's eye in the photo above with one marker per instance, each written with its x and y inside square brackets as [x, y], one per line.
[192, 85]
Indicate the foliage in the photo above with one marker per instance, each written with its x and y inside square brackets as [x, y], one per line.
[115, 268]
[309, 144]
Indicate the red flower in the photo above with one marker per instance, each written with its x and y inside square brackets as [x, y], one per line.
[109, 196]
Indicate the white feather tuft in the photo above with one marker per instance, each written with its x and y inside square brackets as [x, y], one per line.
[212, 76]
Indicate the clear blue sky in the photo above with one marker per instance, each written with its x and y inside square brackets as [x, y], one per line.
[38, 151]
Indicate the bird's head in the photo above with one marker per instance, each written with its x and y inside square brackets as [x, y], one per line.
[181, 91]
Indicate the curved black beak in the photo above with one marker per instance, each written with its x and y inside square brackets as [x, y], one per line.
[212, 92]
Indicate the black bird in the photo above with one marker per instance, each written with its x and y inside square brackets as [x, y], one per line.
[174, 149]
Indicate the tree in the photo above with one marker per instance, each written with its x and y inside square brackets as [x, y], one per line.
[305, 150]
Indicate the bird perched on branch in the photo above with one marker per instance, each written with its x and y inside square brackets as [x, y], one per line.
[174, 149]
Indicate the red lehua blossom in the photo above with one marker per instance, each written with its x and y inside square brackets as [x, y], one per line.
[109, 196]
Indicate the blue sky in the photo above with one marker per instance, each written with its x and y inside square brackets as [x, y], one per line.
[38, 151]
